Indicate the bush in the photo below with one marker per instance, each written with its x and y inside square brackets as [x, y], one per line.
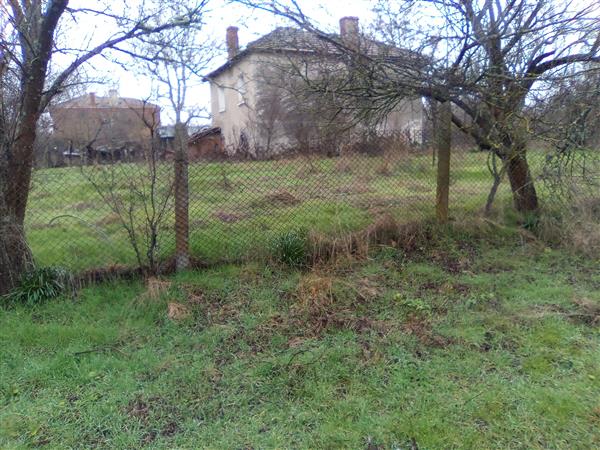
[291, 249]
[39, 285]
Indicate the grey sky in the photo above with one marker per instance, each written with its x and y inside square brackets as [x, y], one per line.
[252, 24]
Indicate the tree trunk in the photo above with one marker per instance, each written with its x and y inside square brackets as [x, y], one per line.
[443, 146]
[524, 194]
[498, 176]
[15, 257]
[15, 171]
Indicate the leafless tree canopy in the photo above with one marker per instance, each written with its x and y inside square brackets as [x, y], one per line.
[488, 58]
[32, 36]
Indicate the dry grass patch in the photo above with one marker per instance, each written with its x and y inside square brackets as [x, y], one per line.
[588, 311]
[230, 217]
[156, 288]
[385, 231]
[344, 165]
[82, 206]
[277, 199]
[178, 311]
[109, 219]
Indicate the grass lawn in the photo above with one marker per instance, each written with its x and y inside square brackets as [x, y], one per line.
[466, 341]
[236, 207]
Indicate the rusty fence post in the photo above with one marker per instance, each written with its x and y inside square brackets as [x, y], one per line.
[182, 199]
[443, 143]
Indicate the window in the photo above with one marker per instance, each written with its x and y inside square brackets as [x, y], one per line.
[221, 98]
[241, 90]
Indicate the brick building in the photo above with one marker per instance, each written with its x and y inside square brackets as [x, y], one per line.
[110, 128]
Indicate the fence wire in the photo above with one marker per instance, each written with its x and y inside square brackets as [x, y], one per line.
[86, 217]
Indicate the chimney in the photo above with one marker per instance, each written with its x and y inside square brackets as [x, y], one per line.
[349, 30]
[113, 97]
[92, 98]
[233, 44]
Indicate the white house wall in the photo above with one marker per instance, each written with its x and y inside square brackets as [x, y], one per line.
[236, 115]
[240, 118]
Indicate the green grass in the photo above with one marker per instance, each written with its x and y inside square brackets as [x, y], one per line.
[234, 211]
[474, 342]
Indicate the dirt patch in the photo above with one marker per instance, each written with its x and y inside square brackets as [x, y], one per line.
[385, 169]
[150, 412]
[422, 330]
[170, 429]
[493, 340]
[109, 219]
[343, 165]
[198, 223]
[450, 262]
[138, 408]
[41, 226]
[447, 288]
[587, 312]
[418, 187]
[320, 303]
[149, 437]
[357, 188]
[229, 217]
[210, 308]
[82, 206]
[279, 199]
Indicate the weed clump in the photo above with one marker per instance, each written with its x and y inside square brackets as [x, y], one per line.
[290, 248]
[576, 227]
[384, 232]
[40, 285]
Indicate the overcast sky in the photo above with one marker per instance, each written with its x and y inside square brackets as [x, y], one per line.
[252, 24]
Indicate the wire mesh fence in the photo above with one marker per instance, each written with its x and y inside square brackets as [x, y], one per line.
[87, 217]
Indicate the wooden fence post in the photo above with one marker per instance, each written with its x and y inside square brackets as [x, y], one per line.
[182, 199]
[443, 143]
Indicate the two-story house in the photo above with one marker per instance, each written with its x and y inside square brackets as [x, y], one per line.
[262, 105]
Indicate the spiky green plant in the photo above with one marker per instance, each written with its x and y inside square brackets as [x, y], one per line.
[290, 248]
[39, 285]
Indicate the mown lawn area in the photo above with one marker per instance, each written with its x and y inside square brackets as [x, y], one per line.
[472, 339]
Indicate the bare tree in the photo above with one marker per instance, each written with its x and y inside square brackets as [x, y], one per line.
[175, 60]
[287, 113]
[485, 57]
[568, 122]
[139, 195]
[29, 43]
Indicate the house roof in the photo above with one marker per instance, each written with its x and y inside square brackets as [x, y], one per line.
[206, 131]
[168, 131]
[113, 101]
[289, 39]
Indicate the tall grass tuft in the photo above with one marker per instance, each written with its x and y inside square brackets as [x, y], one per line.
[290, 248]
[39, 285]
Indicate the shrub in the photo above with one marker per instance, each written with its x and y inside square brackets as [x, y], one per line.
[39, 285]
[290, 248]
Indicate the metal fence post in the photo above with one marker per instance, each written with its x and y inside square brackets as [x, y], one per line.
[182, 200]
[443, 142]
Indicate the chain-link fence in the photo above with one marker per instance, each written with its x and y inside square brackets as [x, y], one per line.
[100, 216]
